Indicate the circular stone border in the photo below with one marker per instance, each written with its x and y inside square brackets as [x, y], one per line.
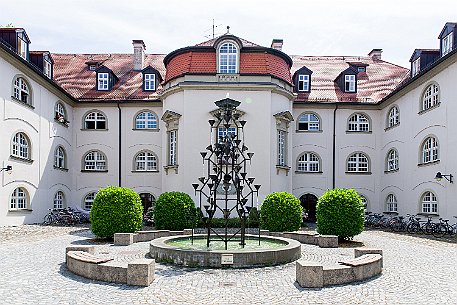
[162, 252]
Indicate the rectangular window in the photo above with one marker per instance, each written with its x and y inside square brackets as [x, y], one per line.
[416, 66]
[21, 47]
[303, 83]
[103, 81]
[282, 152]
[361, 69]
[47, 68]
[447, 43]
[149, 82]
[172, 147]
[349, 83]
[223, 132]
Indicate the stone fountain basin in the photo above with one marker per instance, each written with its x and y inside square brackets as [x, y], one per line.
[161, 251]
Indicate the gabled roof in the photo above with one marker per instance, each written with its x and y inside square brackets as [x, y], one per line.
[209, 43]
[448, 24]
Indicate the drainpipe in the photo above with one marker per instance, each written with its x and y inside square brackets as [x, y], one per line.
[334, 146]
[120, 146]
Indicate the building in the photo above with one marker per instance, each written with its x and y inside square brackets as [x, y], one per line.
[73, 123]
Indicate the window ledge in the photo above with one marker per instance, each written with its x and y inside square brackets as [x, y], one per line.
[171, 167]
[428, 163]
[391, 127]
[302, 172]
[308, 131]
[22, 103]
[29, 161]
[20, 210]
[358, 173]
[282, 168]
[61, 168]
[428, 214]
[93, 171]
[85, 129]
[391, 171]
[64, 124]
[355, 131]
[390, 212]
[429, 109]
[147, 129]
[148, 171]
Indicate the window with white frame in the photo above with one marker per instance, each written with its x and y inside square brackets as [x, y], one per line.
[391, 203]
[95, 161]
[95, 120]
[47, 68]
[20, 146]
[172, 147]
[431, 97]
[224, 133]
[393, 117]
[22, 46]
[429, 150]
[392, 160]
[149, 82]
[60, 114]
[60, 158]
[282, 148]
[308, 122]
[349, 83]
[447, 43]
[145, 161]
[358, 122]
[358, 163]
[429, 203]
[19, 199]
[102, 81]
[21, 91]
[59, 200]
[416, 67]
[89, 200]
[303, 82]
[308, 162]
[228, 58]
[146, 120]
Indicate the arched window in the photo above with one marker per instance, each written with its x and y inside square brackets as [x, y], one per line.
[60, 158]
[89, 200]
[358, 122]
[391, 203]
[308, 122]
[146, 120]
[60, 114]
[59, 200]
[308, 162]
[392, 160]
[358, 163]
[228, 58]
[95, 161]
[429, 150]
[21, 91]
[145, 161]
[429, 203]
[94, 120]
[20, 146]
[393, 117]
[19, 199]
[430, 97]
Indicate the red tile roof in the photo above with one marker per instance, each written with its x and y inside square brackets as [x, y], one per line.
[380, 78]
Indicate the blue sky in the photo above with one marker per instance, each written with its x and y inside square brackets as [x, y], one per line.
[351, 27]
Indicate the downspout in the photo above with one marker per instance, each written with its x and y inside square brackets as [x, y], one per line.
[120, 146]
[334, 146]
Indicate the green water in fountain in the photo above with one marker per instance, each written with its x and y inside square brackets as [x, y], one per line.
[200, 244]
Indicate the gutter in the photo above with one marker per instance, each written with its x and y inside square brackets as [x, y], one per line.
[120, 147]
[334, 147]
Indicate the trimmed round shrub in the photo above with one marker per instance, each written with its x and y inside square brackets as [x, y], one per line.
[116, 210]
[173, 211]
[280, 212]
[340, 212]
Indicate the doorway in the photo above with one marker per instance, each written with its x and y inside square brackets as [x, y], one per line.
[308, 202]
[147, 200]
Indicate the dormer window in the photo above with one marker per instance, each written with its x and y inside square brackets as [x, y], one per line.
[447, 43]
[302, 79]
[22, 45]
[149, 82]
[103, 81]
[303, 83]
[349, 83]
[47, 66]
[228, 58]
[415, 67]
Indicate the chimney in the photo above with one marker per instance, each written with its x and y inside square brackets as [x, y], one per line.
[375, 54]
[277, 44]
[138, 54]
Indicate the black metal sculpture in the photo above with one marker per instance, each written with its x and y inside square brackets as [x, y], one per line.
[227, 187]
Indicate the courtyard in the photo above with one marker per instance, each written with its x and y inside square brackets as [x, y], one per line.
[416, 271]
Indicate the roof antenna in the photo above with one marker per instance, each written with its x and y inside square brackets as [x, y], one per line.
[228, 29]
[213, 30]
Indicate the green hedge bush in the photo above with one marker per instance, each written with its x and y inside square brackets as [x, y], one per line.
[253, 219]
[281, 212]
[340, 212]
[173, 211]
[116, 210]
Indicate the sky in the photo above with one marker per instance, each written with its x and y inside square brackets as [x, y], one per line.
[318, 27]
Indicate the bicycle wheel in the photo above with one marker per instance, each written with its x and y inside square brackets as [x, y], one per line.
[440, 230]
[413, 228]
[47, 219]
[428, 228]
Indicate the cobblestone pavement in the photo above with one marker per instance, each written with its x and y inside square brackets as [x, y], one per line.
[32, 271]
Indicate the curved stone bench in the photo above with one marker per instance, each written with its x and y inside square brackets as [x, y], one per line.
[366, 264]
[139, 272]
